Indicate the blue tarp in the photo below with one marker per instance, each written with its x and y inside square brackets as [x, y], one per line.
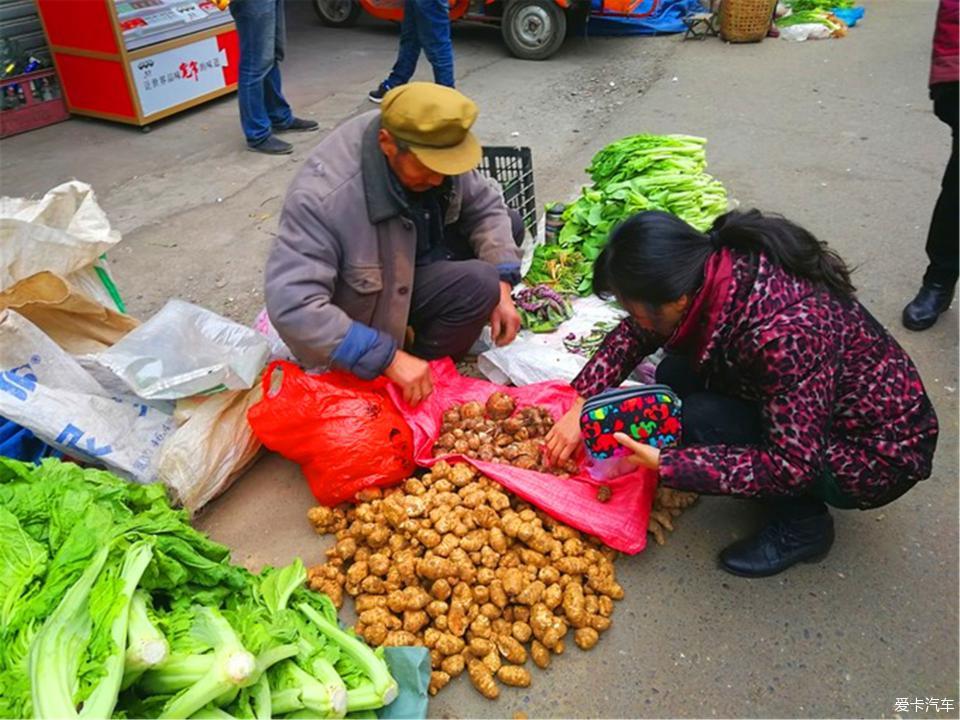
[666, 19]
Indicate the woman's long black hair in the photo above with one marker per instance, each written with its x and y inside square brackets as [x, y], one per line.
[656, 258]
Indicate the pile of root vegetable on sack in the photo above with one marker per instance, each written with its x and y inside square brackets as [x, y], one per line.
[453, 561]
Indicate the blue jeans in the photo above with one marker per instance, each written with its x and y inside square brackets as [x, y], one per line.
[426, 25]
[262, 30]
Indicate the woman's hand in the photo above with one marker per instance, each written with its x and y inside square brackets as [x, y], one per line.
[643, 455]
[563, 440]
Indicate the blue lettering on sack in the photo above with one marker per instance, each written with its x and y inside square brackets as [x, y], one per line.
[142, 409]
[19, 381]
[71, 436]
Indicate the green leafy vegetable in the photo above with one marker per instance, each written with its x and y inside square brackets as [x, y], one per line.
[112, 604]
[827, 5]
[637, 173]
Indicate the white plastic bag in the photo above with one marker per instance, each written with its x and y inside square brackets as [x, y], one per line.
[187, 350]
[805, 31]
[46, 391]
[536, 357]
[64, 232]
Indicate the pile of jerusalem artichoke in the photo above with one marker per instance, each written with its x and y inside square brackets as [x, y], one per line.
[667, 504]
[499, 433]
[453, 562]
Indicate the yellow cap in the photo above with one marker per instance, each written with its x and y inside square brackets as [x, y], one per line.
[435, 122]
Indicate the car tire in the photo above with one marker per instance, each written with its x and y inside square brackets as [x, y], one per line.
[337, 13]
[533, 29]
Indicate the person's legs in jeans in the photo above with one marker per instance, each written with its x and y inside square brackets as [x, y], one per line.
[256, 27]
[409, 51]
[452, 301]
[278, 110]
[433, 27]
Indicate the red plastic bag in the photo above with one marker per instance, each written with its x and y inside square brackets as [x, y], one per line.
[345, 433]
[621, 522]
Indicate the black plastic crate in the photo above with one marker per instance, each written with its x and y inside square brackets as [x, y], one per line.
[512, 167]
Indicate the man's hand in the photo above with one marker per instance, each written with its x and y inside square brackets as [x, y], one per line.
[643, 454]
[505, 320]
[563, 440]
[412, 375]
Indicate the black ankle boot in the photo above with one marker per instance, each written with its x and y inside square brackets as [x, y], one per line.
[784, 542]
[923, 311]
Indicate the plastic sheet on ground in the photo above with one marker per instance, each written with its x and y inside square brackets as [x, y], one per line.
[538, 357]
[410, 667]
[851, 16]
[666, 19]
[806, 31]
[621, 522]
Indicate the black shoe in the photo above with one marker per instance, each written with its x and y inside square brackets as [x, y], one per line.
[271, 146]
[783, 543]
[377, 95]
[925, 308]
[298, 125]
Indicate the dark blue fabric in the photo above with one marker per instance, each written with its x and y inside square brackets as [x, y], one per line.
[509, 273]
[667, 19]
[20, 444]
[364, 351]
[262, 31]
[426, 26]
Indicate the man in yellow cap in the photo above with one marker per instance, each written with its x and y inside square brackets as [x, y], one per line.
[389, 225]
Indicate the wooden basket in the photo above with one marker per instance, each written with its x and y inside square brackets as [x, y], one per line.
[743, 21]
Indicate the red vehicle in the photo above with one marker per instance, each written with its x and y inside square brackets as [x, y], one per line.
[531, 29]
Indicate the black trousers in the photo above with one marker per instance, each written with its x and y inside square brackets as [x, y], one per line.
[943, 246]
[710, 418]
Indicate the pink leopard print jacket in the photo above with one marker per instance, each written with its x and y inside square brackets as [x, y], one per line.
[835, 390]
